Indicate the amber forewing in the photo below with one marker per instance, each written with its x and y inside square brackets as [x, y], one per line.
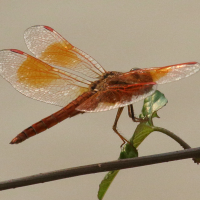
[57, 54]
[52, 48]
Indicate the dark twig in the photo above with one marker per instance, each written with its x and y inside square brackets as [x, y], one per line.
[101, 167]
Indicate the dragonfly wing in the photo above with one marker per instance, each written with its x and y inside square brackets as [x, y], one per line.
[117, 96]
[172, 73]
[52, 48]
[39, 80]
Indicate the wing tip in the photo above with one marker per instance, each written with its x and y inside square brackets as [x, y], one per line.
[17, 51]
[13, 51]
[48, 28]
[189, 63]
[38, 26]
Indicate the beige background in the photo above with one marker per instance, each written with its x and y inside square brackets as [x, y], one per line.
[120, 35]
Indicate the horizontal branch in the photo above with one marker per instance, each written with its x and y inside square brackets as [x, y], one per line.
[100, 167]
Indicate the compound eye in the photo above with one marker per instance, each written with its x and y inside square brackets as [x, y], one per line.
[134, 69]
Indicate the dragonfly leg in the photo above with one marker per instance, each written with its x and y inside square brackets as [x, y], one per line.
[119, 112]
[132, 116]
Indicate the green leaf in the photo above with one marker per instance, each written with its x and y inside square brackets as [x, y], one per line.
[151, 105]
[128, 151]
[105, 183]
[141, 132]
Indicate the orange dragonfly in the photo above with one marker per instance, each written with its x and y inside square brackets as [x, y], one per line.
[63, 75]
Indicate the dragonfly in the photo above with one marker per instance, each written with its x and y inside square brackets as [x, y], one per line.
[63, 75]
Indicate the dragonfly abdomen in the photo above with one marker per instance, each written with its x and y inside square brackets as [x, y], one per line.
[52, 120]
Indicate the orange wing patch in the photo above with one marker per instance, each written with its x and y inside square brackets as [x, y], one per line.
[60, 55]
[159, 73]
[35, 75]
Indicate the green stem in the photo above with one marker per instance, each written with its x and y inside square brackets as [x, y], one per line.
[151, 121]
[173, 136]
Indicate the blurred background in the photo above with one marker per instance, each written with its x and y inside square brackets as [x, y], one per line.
[120, 35]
